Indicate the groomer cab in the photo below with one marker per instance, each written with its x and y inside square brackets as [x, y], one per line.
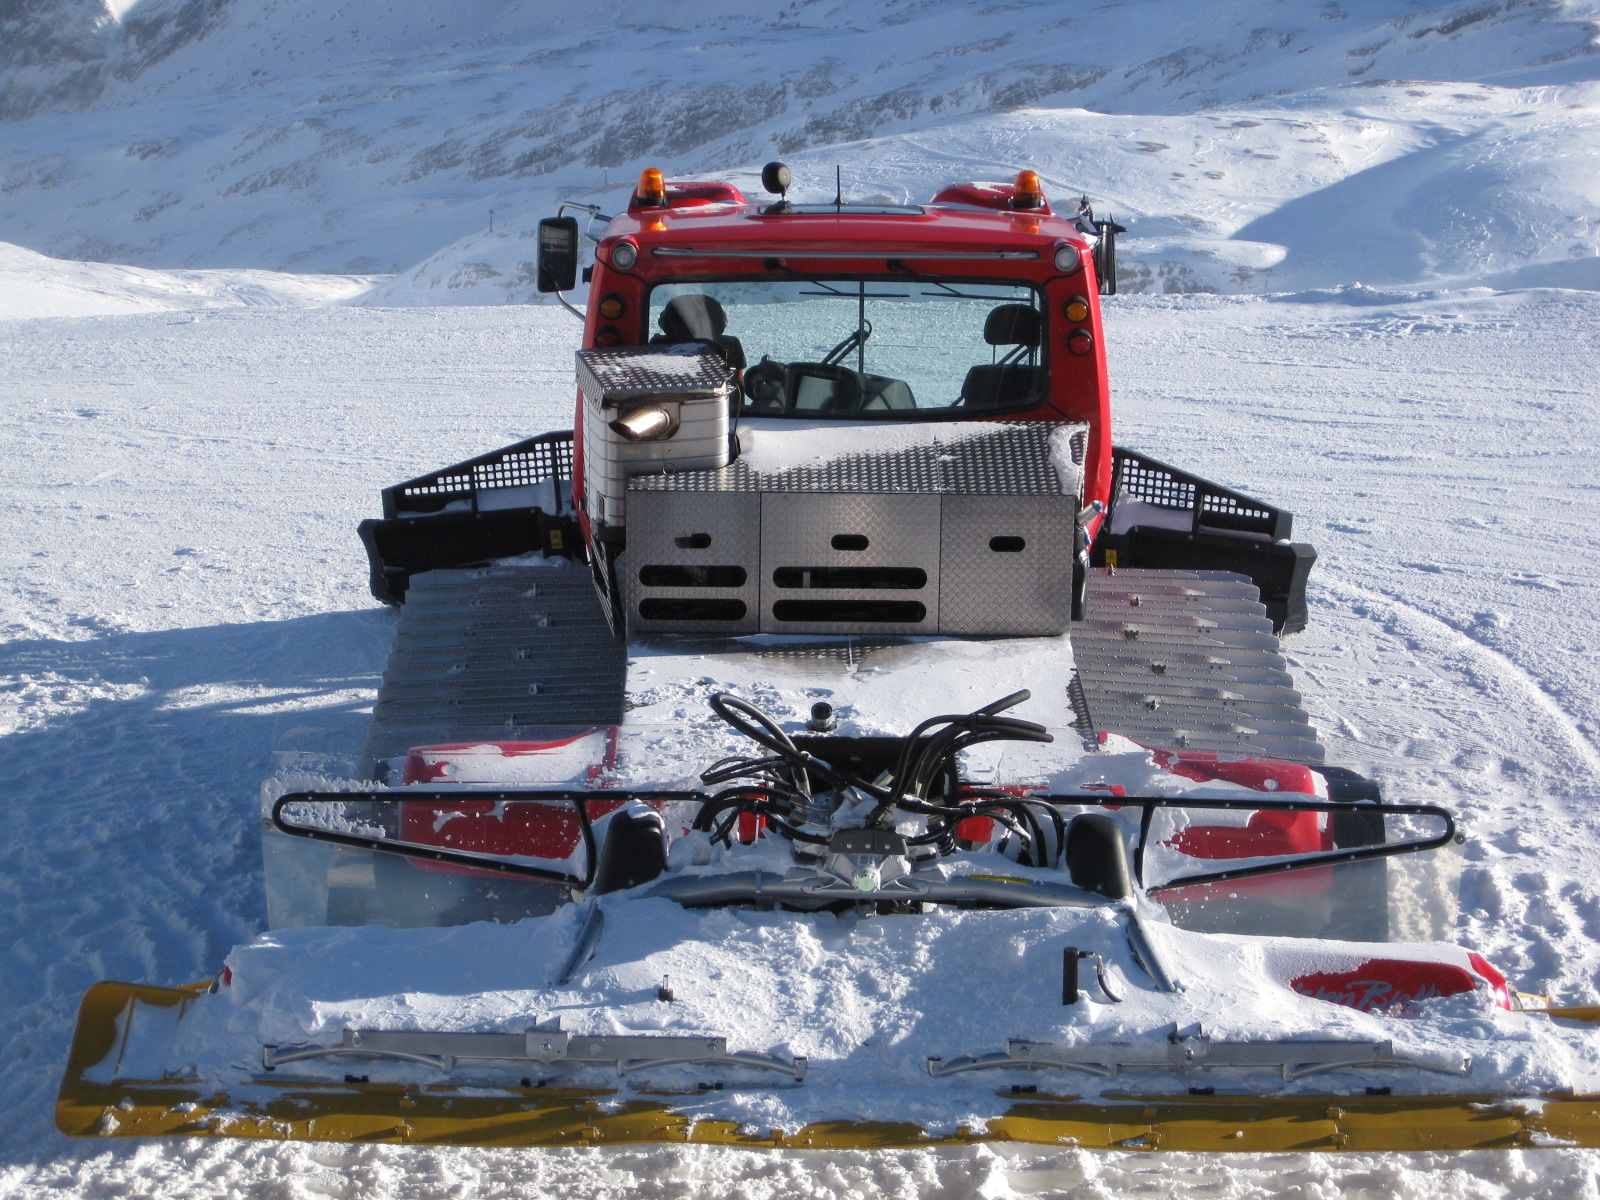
[981, 305]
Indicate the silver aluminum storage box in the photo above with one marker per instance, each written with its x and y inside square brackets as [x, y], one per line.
[690, 381]
[969, 531]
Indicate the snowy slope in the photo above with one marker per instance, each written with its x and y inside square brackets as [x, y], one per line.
[34, 285]
[1252, 147]
[182, 587]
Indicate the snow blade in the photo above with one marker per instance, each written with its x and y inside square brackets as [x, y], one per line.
[102, 1096]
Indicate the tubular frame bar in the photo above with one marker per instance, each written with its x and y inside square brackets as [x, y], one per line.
[1329, 859]
[580, 802]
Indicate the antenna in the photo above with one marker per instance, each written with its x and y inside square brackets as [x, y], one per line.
[838, 185]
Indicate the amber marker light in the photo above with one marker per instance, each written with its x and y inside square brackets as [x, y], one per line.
[1026, 193]
[652, 191]
[1076, 309]
[611, 307]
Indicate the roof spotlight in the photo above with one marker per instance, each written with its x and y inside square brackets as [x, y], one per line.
[646, 423]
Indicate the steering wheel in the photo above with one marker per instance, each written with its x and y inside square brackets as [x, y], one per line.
[766, 384]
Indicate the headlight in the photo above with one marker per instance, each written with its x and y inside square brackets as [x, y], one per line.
[1067, 258]
[646, 423]
[624, 255]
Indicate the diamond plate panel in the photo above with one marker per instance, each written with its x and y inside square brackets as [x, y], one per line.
[671, 372]
[1026, 591]
[693, 530]
[1006, 459]
[798, 530]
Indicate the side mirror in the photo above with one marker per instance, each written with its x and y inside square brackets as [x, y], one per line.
[558, 254]
[1105, 256]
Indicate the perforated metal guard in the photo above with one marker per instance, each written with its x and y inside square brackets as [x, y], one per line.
[1139, 478]
[535, 460]
[1007, 459]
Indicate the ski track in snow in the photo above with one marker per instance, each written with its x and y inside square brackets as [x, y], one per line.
[183, 587]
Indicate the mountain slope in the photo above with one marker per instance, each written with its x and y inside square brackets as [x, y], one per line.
[356, 139]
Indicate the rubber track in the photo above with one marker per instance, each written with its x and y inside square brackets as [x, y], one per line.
[1187, 660]
[495, 653]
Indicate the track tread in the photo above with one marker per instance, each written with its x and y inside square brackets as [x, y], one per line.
[1188, 660]
[496, 653]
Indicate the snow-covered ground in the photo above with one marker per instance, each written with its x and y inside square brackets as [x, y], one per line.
[182, 585]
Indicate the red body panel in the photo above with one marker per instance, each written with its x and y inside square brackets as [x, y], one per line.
[536, 830]
[1264, 834]
[1395, 985]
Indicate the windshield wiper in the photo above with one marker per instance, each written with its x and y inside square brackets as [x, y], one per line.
[945, 292]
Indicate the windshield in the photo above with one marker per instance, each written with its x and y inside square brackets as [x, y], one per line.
[887, 348]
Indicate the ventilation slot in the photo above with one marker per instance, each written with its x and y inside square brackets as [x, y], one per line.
[691, 609]
[848, 541]
[665, 575]
[693, 541]
[897, 579]
[1007, 545]
[897, 612]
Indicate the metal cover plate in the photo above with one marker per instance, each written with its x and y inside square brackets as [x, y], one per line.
[680, 371]
[1006, 459]
[1018, 590]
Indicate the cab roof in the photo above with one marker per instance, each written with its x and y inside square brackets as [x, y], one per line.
[923, 229]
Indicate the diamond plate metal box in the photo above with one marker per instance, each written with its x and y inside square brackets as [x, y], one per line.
[693, 563]
[692, 383]
[1005, 564]
[849, 562]
[967, 532]
[692, 371]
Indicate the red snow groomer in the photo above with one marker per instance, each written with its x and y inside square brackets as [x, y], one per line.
[980, 306]
[657, 718]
